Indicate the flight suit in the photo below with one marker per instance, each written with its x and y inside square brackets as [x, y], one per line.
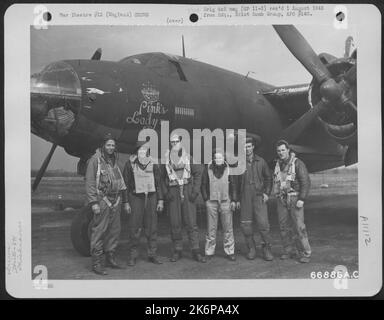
[104, 185]
[182, 186]
[292, 183]
[144, 188]
[255, 181]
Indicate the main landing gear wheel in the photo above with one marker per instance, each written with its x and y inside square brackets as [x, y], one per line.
[80, 231]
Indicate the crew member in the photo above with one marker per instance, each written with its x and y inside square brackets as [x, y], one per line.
[255, 186]
[182, 182]
[106, 191]
[145, 192]
[219, 191]
[291, 186]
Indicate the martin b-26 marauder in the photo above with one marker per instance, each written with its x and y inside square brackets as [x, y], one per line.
[74, 103]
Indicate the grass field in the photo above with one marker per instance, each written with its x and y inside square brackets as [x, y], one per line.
[72, 189]
[331, 218]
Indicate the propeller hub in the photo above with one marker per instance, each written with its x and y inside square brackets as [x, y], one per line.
[331, 91]
[336, 93]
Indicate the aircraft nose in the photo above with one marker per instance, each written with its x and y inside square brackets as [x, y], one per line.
[38, 105]
[55, 100]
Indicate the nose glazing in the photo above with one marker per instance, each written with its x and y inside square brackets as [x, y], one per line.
[55, 100]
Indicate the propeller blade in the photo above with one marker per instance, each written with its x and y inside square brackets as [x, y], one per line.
[351, 105]
[350, 156]
[350, 76]
[349, 45]
[97, 54]
[44, 166]
[353, 113]
[292, 132]
[182, 40]
[303, 52]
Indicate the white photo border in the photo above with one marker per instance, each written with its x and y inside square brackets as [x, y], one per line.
[18, 20]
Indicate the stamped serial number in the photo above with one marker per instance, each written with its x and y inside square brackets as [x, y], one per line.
[334, 275]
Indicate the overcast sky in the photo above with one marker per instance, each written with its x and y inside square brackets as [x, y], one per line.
[239, 49]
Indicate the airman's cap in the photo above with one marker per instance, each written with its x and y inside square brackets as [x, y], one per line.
[254, 138]
[108, 136]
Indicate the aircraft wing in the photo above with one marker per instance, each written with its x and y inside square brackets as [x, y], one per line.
[291, 101]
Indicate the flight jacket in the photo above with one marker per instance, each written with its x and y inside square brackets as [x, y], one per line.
[302, 182]
[262, 177]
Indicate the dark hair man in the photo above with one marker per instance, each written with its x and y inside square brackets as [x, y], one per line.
[106, 191]
[145, 192]
[291, 186]
[255, 186]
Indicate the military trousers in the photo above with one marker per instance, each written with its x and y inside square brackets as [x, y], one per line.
[214, 210]
[292, 227]
[105, 229]
[253, 210]
[182, 212]
[143, 216]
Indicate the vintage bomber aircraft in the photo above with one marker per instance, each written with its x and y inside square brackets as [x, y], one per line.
[75, 102]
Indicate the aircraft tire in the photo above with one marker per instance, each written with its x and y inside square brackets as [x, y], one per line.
[80, 231]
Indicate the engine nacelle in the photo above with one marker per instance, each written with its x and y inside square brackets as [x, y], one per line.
[344, 134]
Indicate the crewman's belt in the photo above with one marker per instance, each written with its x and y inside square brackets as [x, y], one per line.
[109, 204]
[143, 193]
[175, 183]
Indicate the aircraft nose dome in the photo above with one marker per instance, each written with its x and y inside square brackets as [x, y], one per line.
[55, 100]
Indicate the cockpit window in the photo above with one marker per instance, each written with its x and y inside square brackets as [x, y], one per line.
[137, 59]
[163, 65]
[134, 60]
